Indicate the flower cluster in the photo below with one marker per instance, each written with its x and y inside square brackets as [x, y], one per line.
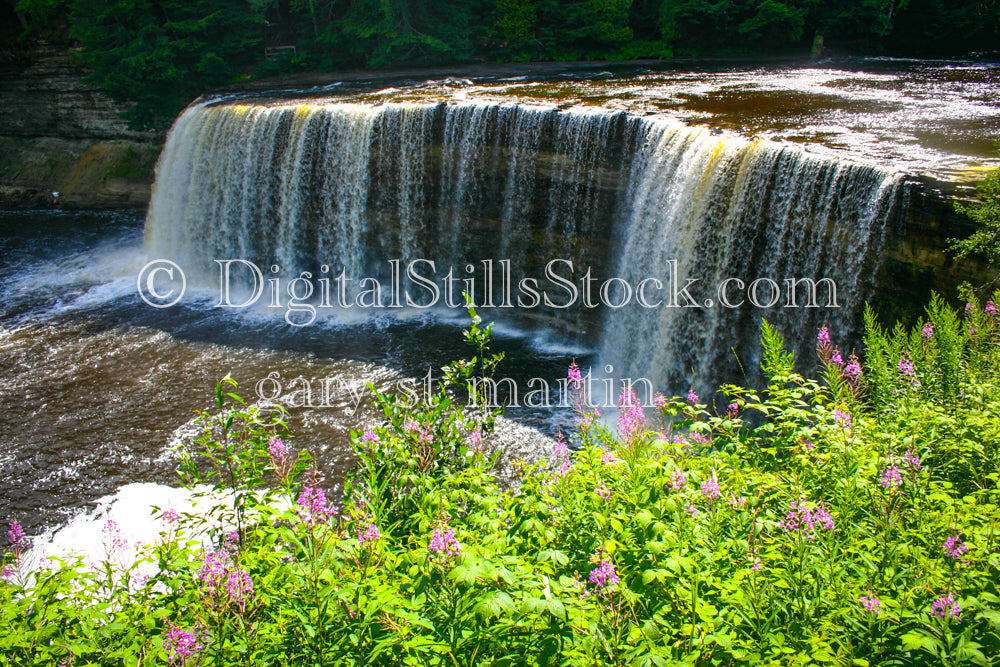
[604, 576]
[710, 488]
[955, 548]
[443, 542]
[422, 434]
[631, 418]
[281, 461]
[16, 537]
[842, 419]
[603, 492]
[574, 376]
[369, 535]
[312, 506]
[852, 371]
[891, 478]
[803, 520]
[113, 541]
[946, 607]
[223, 581]
[182, 645]
[871, 605]
[562, 455]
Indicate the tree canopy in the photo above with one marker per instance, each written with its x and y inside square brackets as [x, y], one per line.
[160, 54]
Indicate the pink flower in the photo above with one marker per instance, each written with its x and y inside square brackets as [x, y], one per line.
[692, 510]
[560, 450]
[678, 480]
[443, 542]
[370, 437]
[239, 586]
[604, 492]
[660, 401]
[224, 581]
[803, 520]
[852, 371]
[843, 419]
[891, 478]
[871, 605]
[370, 534]
[631, 418]
[912, 460]
[182, 644]
[113, 540]
[608, 458]
[823, 337]
[991, 309]
[574, 375]
[15, 534]
[276, 448]
[906, 368]
[312, 506]
[710, 488]
[692, 397]
[954, 547]
[170, 515]
[927, 331]
[604, 575]
[736, 501]
[945, 607]
[837, 359]
[732, 411]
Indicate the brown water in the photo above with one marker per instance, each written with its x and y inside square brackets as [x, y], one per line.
[96, 387]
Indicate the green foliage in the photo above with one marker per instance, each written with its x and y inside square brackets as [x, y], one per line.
[986, 214]
[848, 521]
[161, 55]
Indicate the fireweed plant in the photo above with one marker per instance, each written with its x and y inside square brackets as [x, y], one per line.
[848, 520]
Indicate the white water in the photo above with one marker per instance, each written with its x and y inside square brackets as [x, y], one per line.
[353, 185]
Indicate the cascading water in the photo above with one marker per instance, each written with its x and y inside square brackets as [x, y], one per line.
[728, 210]
[352, 186]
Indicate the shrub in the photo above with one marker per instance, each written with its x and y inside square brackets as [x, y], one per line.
[846, 520]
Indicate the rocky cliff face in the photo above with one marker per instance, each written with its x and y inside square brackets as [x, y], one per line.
[63, 143]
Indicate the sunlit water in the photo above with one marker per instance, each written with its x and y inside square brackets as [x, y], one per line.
[936, 117]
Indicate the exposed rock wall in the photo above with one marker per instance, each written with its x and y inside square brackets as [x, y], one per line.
[63, 143]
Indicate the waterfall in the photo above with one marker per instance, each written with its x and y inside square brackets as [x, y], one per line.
[725, 209]
[350, 186]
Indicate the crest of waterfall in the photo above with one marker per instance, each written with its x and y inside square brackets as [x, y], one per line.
[352, 186]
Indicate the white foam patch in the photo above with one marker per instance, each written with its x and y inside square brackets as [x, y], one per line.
[132, 509]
